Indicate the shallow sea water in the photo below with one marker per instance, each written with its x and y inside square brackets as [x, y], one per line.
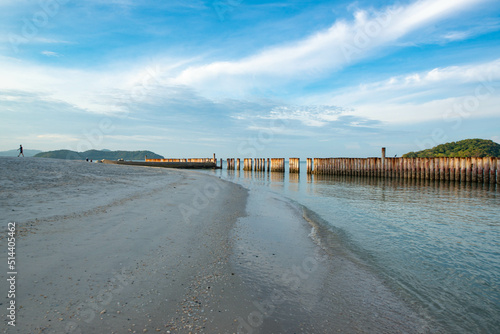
[436, 244]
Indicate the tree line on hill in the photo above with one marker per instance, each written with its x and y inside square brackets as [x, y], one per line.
[99, 155]
[460, 149]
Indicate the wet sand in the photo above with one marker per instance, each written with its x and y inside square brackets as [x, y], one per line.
[121, 249]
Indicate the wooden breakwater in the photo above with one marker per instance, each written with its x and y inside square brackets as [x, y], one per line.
[165, 164]
[258, 164]
[480, 170]
[204, 160]
[476, 170]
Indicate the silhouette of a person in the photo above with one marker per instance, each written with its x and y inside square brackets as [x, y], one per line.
[20, 149]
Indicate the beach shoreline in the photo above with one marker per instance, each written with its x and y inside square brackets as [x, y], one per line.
[114, 249]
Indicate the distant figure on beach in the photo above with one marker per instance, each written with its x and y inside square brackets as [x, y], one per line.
[20, 149]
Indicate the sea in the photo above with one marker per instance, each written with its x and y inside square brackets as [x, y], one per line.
[435, 244]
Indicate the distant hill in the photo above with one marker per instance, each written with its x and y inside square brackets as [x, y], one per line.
[98, 155]
[460, 149]
[14, 153]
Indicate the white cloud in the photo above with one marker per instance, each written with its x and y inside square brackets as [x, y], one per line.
[341, 44]
[107, 91]
[452, 110]
[315, 116]
[50, 54]
[56, 137]
[418, 97]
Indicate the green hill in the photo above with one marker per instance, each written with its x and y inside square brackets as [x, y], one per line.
[460, 149]
[98, 155]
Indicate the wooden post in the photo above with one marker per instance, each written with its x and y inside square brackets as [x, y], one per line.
[473, 170]
[441, 169]
[432, 174]
[486, 170]
[468, 170]
[451, 166]
[418, 167]
[479, 162]
[493, 168]
[309, 166]
[383, 160]
[294, 166]
[463, 170]
[498, 170]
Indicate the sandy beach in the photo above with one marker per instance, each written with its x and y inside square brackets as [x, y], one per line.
[122, 249]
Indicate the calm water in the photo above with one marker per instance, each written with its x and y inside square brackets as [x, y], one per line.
[436, 244]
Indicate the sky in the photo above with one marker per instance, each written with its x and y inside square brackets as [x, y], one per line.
[243, 78]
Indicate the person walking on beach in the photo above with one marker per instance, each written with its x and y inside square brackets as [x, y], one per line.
[20, 151]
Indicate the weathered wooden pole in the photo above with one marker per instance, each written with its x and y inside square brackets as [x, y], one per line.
[479, 162]
[486, 170]
[293, 164]
[453, 169]
[441, 169]
[498, 170]
[474, 170]
[418, 166]
[383, 161]
[463, 170]
[432, 174]
[468, 169]
[492, 170]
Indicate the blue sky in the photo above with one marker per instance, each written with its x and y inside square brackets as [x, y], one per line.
[248, 78]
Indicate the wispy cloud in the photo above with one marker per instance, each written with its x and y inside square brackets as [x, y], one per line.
[341, 44]
[315, 116]
[57, 137]
[50, 54]
[423, 96]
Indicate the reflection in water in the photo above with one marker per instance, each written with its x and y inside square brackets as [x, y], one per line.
[436, 243]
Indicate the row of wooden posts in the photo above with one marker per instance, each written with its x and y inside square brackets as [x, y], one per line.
[480, 170]
[182, 160]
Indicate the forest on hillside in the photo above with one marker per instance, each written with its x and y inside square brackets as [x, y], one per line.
[98, 155]
[460, 149]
